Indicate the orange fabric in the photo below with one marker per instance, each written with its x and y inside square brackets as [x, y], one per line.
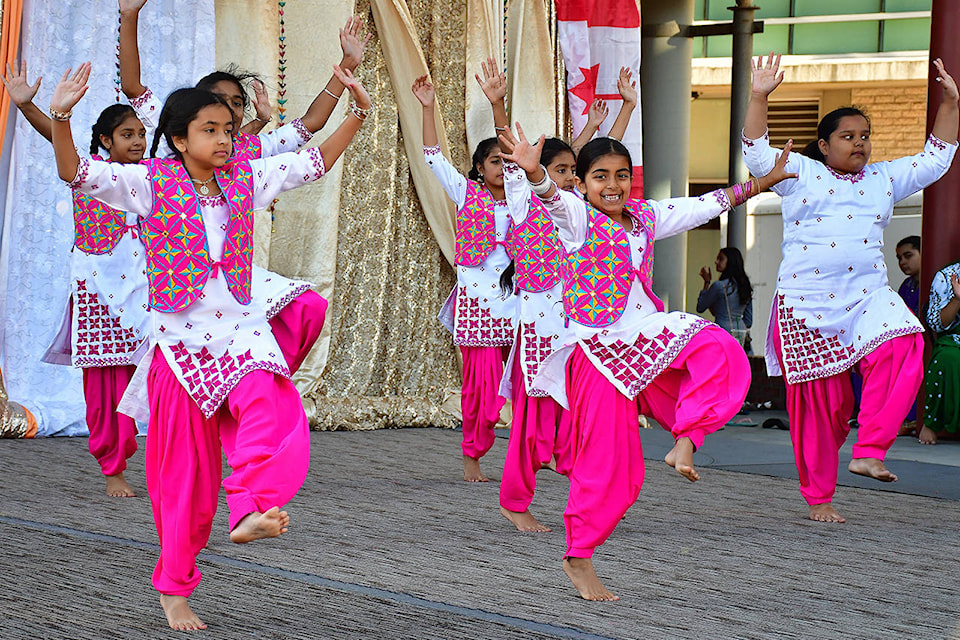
[31, 424]
[9, 45]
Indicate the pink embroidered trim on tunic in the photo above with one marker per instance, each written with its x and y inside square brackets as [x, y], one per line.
[210, 379]
[749, 143]
[937, 142]
[101, 339]
[83, 170]
[852, 178]
[317, 158]
[302, 131]
[286, 299]
[636, 365]
[476, 327]
[535, 350]
[142, 99]
[809, 355]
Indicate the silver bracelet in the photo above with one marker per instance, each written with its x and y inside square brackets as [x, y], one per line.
[331, 94]
[361, 114]
[543, 185]
[259, 119]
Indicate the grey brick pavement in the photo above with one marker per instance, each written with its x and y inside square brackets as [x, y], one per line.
[386, 542]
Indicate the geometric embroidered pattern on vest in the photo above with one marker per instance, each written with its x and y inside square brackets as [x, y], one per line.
[634, 366]
[535, 250]
[475, 327]
[209, 379]
[476, 227]
[102, 340]
[597, 276]
[97, 227]
[246, 147]
[534, 350]
[178, 258]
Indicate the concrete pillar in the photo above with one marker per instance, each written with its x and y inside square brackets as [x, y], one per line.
[665, 97]
[941, 234]
[739, 97]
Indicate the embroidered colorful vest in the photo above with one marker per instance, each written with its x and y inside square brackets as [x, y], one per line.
[536, 252]
[246, 146]
[476, 227]
[97, 227]
[178, 258]
[598, 275]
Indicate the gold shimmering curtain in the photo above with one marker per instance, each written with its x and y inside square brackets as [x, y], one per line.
[390, 361]
[15, 420]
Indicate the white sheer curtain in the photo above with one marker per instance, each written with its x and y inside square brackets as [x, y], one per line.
[177, 43]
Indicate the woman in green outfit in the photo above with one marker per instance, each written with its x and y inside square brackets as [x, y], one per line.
[941, 409]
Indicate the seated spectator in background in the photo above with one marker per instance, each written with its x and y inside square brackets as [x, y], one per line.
[908, 257]
[941, 409]
[730, 298]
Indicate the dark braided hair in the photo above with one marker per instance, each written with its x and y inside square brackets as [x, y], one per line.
[110, 118]
[178, 112]
[828, 124]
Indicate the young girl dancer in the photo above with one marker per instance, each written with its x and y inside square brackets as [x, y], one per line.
[539, 423]
[106, 321]
[625, 355]
[217, 376]
[483, 316]
[296, 312]
[834, 308]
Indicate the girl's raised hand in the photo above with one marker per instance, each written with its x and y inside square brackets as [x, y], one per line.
[597, 113]
[353, 43]
[70, 89]
[357, 92]
[127, 6]
[766, 76]
[522, 153]
[261, 101]
[494, 82]
[424, 90]
[21, 91]
[779, 172]
[946, 80]
[627, 86]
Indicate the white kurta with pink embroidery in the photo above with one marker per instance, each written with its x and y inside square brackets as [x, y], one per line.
[833, 303]
[541, 323]
[215, 341]
[477, 312]
[269, 290]
[643, 341]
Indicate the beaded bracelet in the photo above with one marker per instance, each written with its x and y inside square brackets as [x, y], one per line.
[60, 116]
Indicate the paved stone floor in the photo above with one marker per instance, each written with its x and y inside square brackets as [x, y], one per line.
[387, 542]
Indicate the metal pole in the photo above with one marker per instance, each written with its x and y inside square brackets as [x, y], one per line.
[665, 72]
[739, 97]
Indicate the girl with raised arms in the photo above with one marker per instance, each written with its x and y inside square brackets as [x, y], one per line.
[834, 308]
[624, 355]
[217, 376]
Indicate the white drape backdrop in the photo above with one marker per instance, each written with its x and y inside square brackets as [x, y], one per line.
[177, 42]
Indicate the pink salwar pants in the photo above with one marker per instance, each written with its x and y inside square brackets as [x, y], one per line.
[819, 411]
[265, 436]
[113, 436]
[540, 430]
[480, 401]
[298, 326]
[698, 393]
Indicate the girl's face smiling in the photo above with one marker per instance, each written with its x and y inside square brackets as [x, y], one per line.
[561, 170]
[209, 139]
[848, 149]
[607, 183]
[128, 142]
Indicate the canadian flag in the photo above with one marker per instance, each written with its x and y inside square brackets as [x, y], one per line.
[597, 38]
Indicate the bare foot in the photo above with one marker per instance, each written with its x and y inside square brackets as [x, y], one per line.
[681, 459]
[179, 614]
[471, 470]
[254, 526]
[117, 487]
[872, 468]
[552, 465]
[825, 513]
[524, 520]
[927, 435]
[907, 428]
[584, 578]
